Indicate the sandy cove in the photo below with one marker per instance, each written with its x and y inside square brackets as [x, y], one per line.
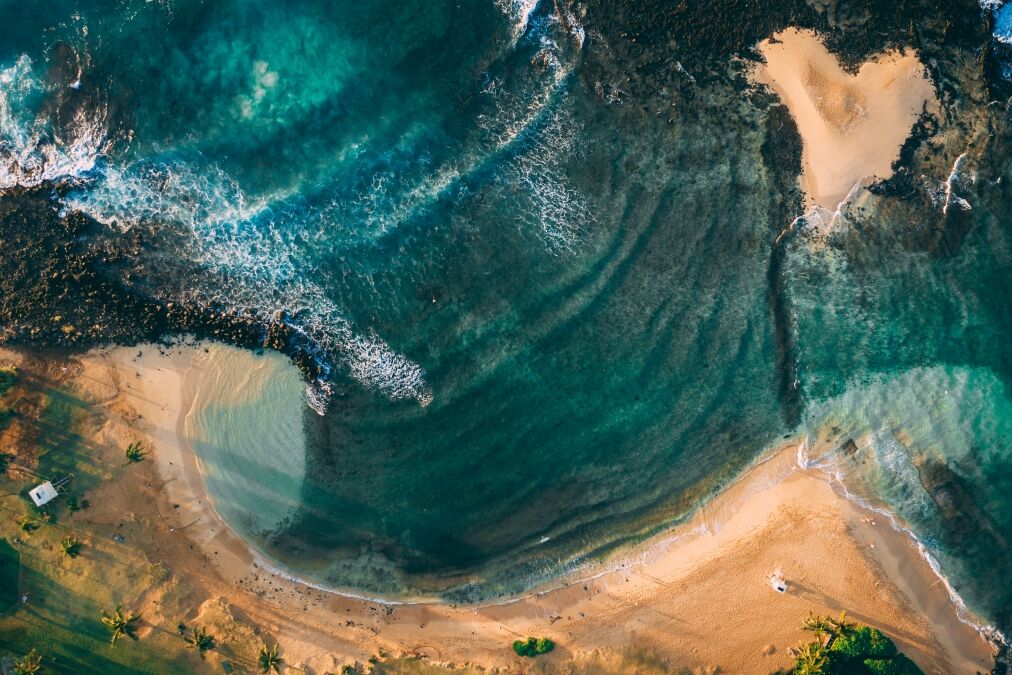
[851, 125]
[696, 596]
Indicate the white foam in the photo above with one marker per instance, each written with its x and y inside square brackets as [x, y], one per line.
[257, 258]
[1003, 23]
[519, 13]
[33, 150]
[963, 612]
[959, 178]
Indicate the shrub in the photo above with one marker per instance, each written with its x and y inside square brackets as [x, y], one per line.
[533, 646]
[897, 665]
[6, 417]
[865, 642]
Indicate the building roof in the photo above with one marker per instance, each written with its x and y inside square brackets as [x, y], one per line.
[43, 493]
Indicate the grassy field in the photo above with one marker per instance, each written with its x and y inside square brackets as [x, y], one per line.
[66, 595]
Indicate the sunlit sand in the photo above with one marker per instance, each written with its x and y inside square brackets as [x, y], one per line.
[852, 126]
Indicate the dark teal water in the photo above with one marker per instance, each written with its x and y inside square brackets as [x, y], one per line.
[537, 249]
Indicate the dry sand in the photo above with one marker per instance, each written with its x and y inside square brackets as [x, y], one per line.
[697, 596]
[851, 126]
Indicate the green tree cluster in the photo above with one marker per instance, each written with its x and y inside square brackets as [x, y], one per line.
[533, 646]
[845, 648]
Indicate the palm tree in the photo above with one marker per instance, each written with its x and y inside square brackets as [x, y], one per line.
[269, 659]
[809, 659]
[842, 627]
[135, 452]
[27, 525]
[200, 640]
[120, 624]
[821, 626]
[29, 665]
[71, 546]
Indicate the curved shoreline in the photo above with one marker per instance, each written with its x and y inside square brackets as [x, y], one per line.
[163, 393]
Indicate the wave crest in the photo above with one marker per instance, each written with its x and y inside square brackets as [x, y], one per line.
[36, 147]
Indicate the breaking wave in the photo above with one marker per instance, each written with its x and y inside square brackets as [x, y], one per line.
[254, 253]
[35, 150]
[256, 248]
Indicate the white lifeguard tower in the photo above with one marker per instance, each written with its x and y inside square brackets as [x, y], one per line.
[47, 491]
[43, 494]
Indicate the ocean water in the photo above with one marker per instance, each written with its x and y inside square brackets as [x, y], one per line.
[548, 259]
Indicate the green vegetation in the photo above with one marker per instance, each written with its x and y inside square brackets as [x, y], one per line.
[5, 461]
[533, 646]
[10, 571]
[200, 640]
[866, 643]
[120, 624]
[135, 452]
[63, 601]
[897, 665]
[6, 417]
[845, 648]
[27, 524]
[28, 665]
[71, 546]
[8, 378]
[269, 659]
[810, 658]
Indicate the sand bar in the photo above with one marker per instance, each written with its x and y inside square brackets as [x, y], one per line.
[671, 597]
[851, 126]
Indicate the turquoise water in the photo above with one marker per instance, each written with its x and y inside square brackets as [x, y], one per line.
[547, 258]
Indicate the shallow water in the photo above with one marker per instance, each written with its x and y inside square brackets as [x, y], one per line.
[245, 423]
[546, 258]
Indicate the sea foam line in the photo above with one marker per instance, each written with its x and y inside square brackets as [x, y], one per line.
[835, 474]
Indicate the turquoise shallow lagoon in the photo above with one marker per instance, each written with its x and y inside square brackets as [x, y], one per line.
[549, 261]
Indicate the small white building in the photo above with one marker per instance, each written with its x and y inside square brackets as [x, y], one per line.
[43, 494]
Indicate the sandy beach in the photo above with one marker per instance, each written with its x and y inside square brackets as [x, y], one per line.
[696, 597]
[851, 125]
